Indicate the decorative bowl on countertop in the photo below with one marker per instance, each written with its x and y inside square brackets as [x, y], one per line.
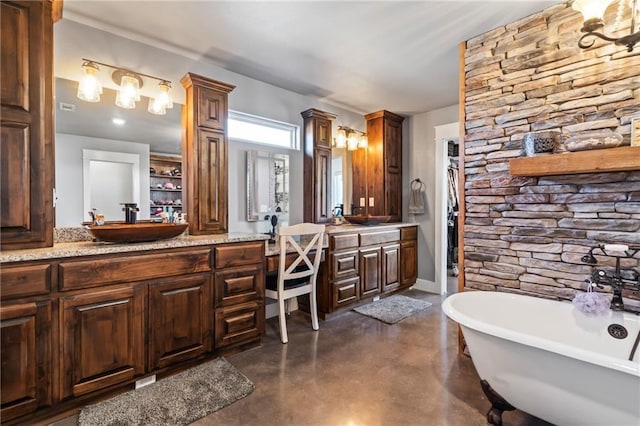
[136, 232]
[367, 219]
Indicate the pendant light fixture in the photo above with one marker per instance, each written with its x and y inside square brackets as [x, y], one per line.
[129, 82]
[89, 88]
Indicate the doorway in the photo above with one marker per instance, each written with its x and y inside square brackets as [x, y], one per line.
[447, 139]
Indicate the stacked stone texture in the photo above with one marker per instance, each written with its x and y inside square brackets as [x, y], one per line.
[526, 234]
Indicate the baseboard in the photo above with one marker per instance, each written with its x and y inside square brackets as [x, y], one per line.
[425, 285]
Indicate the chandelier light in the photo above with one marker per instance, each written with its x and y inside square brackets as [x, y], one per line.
[593, 13]
[350, 139]
[130, 83]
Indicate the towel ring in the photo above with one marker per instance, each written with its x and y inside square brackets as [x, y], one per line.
[420, 184]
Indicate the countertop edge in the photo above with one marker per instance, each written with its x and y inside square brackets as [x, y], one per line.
[88, 248]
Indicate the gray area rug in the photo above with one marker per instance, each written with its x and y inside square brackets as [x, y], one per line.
[393, 308]
[176, 400]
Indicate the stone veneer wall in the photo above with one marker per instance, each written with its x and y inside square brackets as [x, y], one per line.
[527, 235]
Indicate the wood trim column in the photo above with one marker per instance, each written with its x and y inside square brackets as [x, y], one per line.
[205, 154]
[461, 180]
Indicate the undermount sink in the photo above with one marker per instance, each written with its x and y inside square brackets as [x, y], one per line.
[367, 219]
[135, 232]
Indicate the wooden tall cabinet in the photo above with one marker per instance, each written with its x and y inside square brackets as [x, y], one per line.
[205, 155]
[377, 171]
[317, 165]
[26, 126]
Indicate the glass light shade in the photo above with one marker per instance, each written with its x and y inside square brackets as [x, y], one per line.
[341, 139]
[352, 141]
[90, 88]
[164, 98]
[129, 92]
[591, 9]
[364, 141]
[156, 107]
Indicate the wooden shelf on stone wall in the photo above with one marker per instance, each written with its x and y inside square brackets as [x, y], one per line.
[594, 161]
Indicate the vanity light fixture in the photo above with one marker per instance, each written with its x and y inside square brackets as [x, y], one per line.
[130, 82]
[350, 139]
[593, 13]
[89, 87]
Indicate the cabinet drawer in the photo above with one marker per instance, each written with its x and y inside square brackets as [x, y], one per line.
[345, 241]
[409, 233]
[25, 280]
[344, 264]
[239, 254]
[345, 291]
[238, 324]
[239, 285]
[96, 272]
[379, 237]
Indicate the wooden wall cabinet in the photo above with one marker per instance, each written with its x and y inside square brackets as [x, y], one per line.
[26, 126]
[377, 171]
[317, 142]
[205, 154]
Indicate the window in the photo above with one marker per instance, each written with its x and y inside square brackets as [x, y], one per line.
[250, 128]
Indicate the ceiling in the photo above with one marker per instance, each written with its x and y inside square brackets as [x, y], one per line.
[360, 55]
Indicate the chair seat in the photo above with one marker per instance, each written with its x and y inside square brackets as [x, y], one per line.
[272, 279]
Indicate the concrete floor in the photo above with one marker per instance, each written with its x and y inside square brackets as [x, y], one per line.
[359, 371]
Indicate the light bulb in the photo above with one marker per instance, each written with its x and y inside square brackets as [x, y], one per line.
[89, 87]
[341, 139]
[156, 107]
[364, 141]
[129, 92]
[352, 141]
[164, 98]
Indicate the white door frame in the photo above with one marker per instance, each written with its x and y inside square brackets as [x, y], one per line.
[444, 133]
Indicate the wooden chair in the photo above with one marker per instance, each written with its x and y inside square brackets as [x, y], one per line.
[299, 277]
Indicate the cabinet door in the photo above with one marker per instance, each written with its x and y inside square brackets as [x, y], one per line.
[180, 313]
[370, 269]
[102, 336]
[235, 325]
[390, 267]
[26, 358]
[322, 195]
[26, 125]
[322, 130]
[344, 264]
[409, 263]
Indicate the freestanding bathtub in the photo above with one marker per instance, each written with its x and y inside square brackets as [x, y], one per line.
[548, 359]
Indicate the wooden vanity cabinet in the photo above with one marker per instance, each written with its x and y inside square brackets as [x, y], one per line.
[239, 282]
[179, 313]
[26, 126]
[102, 333]
[408, 256]
[26, 355]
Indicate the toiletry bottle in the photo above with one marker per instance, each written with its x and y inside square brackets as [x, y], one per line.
[170, 211]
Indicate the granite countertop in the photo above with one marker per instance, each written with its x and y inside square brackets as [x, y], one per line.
[88, 248]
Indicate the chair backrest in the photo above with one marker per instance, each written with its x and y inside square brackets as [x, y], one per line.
[308, 249]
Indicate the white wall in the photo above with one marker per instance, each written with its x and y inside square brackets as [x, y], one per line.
[69, 178]
[74, 41]
[420, 163]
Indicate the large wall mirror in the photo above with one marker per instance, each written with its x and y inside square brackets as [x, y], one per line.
[267, 185]
[83, 126]
[341, 180]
